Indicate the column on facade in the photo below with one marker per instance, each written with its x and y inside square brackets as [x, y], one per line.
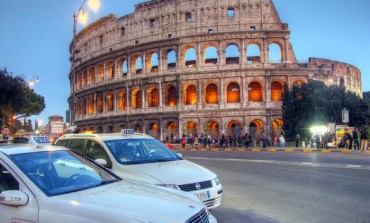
[267, 86]
[129, 71]
[95, 109]
[264, 51]
[222, 93]
[144, 63]
[160, 95]
[286, 44]
[199, 61]
[127, 98]
[242, 53]
[116, 72]
[220, 55]
[160, 61]
[200, 95]
[244, 91]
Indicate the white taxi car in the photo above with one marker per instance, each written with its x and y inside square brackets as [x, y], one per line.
[49, 184]
[142, 158]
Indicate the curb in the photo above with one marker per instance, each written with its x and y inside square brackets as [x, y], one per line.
[276, 150]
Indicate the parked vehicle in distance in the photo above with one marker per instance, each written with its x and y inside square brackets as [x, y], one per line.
[142, 158]
[51, 184]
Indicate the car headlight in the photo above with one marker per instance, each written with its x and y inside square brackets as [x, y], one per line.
[172, 186]
[217, 181]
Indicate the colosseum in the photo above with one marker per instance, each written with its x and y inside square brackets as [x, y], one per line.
[176, 67]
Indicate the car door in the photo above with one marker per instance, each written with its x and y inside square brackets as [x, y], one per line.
[21, 214]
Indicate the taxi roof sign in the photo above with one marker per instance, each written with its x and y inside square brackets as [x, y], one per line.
[127, 131]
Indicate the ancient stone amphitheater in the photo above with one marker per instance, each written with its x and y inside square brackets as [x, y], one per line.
[176, 67]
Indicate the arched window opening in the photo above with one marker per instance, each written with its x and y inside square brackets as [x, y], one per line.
[191, 95]
[99, 103]
[85, 79]
[275, 53]
[92, 75]
[277, 126]
[171, 59]
[91, 104]
[256, 129]
[79, 81]
[153, 63]
[233, 93]
[101, 72]
[153, 130]
[153, 97]
[234, 128]
[276, 91]
[84, 107]
[137, 128]
[110, 74]
[136, 98]
[190, 58]
[110, 102]
[212, 129]
[99, 130]
[110, 129]
[124, 68]
[172, 96]
[192, 128]
[253, 54]
[255, 92]
[171, 132]
[232, 54]
[122, 101]
[211, 55]
[139, 65]
[212, 94]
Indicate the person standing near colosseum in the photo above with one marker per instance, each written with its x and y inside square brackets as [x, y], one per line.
[364, 136]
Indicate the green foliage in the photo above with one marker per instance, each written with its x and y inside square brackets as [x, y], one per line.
[314, 103]
[16, 98]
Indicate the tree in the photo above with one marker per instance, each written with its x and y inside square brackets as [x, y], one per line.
[314, 103]
[16, 98]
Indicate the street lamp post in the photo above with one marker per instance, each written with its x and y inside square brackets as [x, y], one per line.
[94, 5]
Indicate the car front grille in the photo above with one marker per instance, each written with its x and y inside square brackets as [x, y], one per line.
[193, 186]
[201, 217]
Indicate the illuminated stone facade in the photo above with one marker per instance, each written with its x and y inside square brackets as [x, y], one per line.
[176, 67]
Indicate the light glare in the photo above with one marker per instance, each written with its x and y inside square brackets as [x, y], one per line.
[93, 5]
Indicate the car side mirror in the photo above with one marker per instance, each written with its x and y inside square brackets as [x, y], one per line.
[13, 198]
[179, 154]
[101, 162]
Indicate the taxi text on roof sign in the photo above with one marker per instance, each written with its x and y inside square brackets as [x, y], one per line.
[128, 131]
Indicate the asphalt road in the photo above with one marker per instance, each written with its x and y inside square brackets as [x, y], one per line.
[290, 187]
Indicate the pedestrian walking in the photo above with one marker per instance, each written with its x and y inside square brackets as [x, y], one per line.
[364, 136]
[297, 138]
[183, 142]
[282, 140]
[196, 142]
[264, 140]
[355, 139]
[276, 141]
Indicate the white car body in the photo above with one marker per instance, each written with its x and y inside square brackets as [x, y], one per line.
[113, 201]
[177, 173]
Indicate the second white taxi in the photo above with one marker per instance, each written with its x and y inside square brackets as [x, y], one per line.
[142, 158]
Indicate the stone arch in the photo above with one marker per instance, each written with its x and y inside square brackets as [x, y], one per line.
[171, 96]
[234, 128]
[121, 100]
[136, 64]
[137, 128]
[255, 92]
[154, 130]
[192, 128]
[99, 129]
[153, 61]
[110, 129]
[124, 68]
[152, 97]
[84, 106]
[212, 129]
[92, 75]
[136, 99]
[109, 102]
[171, 59]
[233, 93]
[211, 94]
[101, 72]
[232, 54]
[99, 103]
[256, 128]
[190, 94]
[275, 53]
[190, 57]
[253, 53]
[91, 108]
[171, 131]
[110, 70]
[277, 89]
[209, 54]
[277, 127]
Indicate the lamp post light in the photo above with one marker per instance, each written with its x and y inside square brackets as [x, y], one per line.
[79, 15]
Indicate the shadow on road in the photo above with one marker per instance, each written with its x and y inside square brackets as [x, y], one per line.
[225, 215]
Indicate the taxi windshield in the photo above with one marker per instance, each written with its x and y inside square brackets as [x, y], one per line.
[135, 151]
[60, 172]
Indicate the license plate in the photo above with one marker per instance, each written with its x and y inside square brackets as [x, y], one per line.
[203, 196]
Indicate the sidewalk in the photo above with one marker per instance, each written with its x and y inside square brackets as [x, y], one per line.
[269, 149]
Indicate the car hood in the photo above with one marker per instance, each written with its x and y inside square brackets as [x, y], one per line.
[173, 172]
[126, 201]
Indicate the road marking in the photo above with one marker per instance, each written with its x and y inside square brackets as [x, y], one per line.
[328, 165]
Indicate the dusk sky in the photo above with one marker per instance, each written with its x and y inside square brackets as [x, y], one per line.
[35, 37]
